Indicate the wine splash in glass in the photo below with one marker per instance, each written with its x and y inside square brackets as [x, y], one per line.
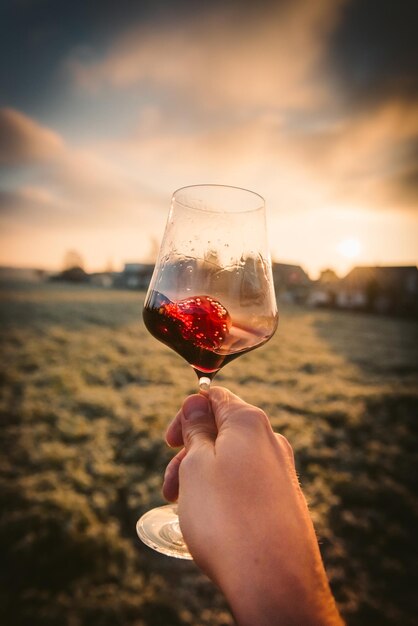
[211, 299]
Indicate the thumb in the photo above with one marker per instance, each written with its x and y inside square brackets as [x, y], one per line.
[197, 422]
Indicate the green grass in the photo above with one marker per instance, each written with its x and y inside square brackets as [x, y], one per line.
[86, 397]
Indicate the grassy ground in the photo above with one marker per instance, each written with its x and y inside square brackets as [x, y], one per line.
[86, 396]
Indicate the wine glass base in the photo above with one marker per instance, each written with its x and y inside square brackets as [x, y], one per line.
[160, 530]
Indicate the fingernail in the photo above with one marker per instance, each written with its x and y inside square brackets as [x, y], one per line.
[194, 408]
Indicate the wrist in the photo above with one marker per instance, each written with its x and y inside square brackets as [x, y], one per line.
[262, 593]
[263, 608]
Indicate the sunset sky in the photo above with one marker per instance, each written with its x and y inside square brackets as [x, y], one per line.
[107, 107]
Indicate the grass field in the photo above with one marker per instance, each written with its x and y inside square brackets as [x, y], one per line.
[86, 397]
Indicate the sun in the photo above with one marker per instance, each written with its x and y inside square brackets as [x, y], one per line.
[349, 248]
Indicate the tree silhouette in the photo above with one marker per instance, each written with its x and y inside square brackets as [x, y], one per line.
[71, 260]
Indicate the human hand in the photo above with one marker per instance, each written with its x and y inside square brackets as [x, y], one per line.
[243, 515]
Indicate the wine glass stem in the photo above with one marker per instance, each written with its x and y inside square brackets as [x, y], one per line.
[204, 385]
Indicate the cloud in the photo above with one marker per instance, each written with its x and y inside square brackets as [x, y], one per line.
[72, 187]
[357, 160]
[251, 99]
[374, 52]
[222, 59]
[361, 153]
[80, 191]
[402, 189]
[232, 93]
[31, 206]
[80, 199]
[23, 141]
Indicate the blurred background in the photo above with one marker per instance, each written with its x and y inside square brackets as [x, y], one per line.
[105, 109]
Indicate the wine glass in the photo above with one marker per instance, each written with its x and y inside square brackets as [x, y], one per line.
[211, 299]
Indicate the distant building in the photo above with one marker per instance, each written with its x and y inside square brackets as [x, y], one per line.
[291, 282]
[25, 274]
[324, 290]
[380, 289]
[103, 279]
[135, 276]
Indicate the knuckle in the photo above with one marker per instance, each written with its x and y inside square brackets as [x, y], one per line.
[197, 431]
[285, 445]
[190, 461]
[260, 416]
[255, 418]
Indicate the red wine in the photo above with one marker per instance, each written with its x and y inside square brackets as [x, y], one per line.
[200, 329]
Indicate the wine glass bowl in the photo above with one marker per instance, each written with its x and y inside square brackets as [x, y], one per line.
[211, 299]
